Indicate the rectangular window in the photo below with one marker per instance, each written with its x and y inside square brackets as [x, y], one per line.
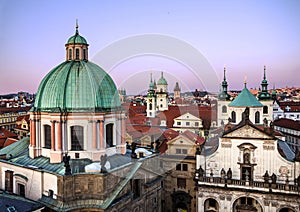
[184, 167]
[196, 124]
[9, 181]
[187, 123]
[21, 189]
[184, 151]
[178, 123]
[136, 188]
[178, 151]
[178, 167]
[181, 182]
[76, 138]
[47, 136]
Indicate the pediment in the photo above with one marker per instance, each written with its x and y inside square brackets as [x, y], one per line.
[181, 141]
[187, 116]
[248, 131]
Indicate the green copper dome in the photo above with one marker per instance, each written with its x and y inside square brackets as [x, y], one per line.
[76, 39]
[245, 99]
[162, 80]
[77, 86]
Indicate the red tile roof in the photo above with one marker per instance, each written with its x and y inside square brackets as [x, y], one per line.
[193, 137]
[4, 134]
[206, 113]
[294, 106]
[13, 109]
[170, 134]
[9, 141]
[287, 123]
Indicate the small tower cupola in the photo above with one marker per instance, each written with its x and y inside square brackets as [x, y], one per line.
[177, 91]
[223, 95]
[76, 47]
[162, 85]
[264, 94]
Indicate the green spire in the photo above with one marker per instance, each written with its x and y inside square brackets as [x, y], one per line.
[264, 94]
[223, 95]
[151, 85]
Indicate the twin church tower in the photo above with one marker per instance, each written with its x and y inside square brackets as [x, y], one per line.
[260, 108]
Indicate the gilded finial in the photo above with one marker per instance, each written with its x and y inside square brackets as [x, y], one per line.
[245, 81]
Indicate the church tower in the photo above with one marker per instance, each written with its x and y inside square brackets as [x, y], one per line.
[223, 102]
[177, 91]
[265, 99]
[151, 100]
[162, 93]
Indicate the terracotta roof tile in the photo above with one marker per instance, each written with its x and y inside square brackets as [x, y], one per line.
[287, 123]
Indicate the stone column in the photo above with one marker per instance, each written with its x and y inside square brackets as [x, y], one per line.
[31, 129]
[33, 132]
[59, 138]
[94, 135]
[123, 128]
[52, 135]
[101, 134]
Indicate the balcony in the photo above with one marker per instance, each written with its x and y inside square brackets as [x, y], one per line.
[268, 185]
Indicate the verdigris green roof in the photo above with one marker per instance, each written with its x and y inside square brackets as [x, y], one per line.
[77, 86]
[76, 39]
[16, 148]
[245, 99]
[162, 81]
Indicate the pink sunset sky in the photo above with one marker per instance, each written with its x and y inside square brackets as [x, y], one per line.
[241, 35]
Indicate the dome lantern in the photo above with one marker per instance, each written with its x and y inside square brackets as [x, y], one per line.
[77, 47]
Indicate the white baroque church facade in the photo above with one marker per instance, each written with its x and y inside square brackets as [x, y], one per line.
[248, 168]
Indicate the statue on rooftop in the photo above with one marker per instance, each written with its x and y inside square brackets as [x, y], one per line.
[103, 160]
[66, 160]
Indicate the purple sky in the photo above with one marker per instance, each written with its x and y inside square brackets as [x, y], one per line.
[243, 35]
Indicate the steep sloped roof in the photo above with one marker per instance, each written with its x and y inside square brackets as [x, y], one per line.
[245, 99]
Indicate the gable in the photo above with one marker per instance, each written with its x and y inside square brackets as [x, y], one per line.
[181, 141]
[247, 131]
[188, 116]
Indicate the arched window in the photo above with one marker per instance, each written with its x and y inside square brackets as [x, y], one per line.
[150, 106]
[211, 205]
[47, 136]
[77, 54]
[224, 109]
[84, 54]
[109, 135]
[233, 116]
[265, 110]
[77, 138]
[257, 118]
[70, 54]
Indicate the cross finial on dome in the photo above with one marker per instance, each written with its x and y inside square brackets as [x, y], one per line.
[224, 72]
[264, 71]
[77, 26]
